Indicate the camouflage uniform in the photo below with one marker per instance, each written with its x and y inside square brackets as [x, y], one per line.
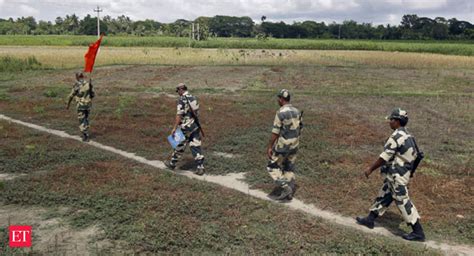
[281, 166]
[190, 130]
[82, 93]
[399, 155]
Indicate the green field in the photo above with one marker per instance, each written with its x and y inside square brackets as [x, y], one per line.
[449, 48]
[345, 96]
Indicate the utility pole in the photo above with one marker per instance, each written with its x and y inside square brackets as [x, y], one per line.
[98, 10]
[198, 33]
[339, 37]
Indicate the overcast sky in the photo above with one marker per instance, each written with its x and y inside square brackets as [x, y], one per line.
[373, 11]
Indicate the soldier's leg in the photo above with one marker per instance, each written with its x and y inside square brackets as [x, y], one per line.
[195, 145]
[400, 194]
[83, 117]
[380, 205]
[406, 207]
[274, 168]
[289, 172]
[177, 153]
[383, 199]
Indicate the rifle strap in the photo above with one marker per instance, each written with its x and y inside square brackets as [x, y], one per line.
[190, 107]
[416, 146]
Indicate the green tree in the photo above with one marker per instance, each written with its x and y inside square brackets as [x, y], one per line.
[58, 25]
[315, 29]
[44, 28]
[71, 24]
[226, 26]
[439, 31]
[88, 26]
[409, 21]
[278, 29]
[28, 24]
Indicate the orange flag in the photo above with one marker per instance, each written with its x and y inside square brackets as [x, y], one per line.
[90, 55]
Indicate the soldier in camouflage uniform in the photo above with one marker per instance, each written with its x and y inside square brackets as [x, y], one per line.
[283, 147]
[83, 93]
[396, 163]
[187, 107]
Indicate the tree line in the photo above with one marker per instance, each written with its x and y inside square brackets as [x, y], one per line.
[411, 27]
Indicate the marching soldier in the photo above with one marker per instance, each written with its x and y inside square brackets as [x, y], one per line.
[396, 162]
[283, 147]
[83, 93]
[187, 120]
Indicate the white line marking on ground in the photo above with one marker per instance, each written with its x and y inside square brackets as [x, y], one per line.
[234, 181]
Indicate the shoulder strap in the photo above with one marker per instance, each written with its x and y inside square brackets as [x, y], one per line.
[416, 146]
[189, 104]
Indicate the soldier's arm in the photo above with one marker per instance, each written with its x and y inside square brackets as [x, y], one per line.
[179, 115]
[389, 151]
[379, 162]
[70, 97]
[272, 141]
[275, 134]
[91, 89]
[177, 121]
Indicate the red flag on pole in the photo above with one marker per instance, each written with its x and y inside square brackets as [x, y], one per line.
[90, 55]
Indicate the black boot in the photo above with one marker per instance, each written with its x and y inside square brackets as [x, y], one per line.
[85, 137]
[287, 191]
[368, 221]
[200, 170]
[276, 192]
[417, 234]
[293, 187]
[170, 165]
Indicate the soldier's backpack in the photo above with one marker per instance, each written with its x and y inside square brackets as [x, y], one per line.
[419, 156]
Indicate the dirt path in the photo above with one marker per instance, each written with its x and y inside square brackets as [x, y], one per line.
[235, 181]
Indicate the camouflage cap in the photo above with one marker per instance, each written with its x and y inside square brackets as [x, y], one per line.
[284, 93]
[181, 86]
[398, 113]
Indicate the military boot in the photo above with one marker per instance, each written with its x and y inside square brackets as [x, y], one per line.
[200, 170]
[417, 234]
[170, 165]
[85, 137]
[368, 221]
[287, 191]
[293, 187]
[276, 192]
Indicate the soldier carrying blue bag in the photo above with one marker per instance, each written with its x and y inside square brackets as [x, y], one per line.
[187, 119]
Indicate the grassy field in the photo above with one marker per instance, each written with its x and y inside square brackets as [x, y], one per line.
[158, 212]
[345, 96]
[441, 47]
[56, 57]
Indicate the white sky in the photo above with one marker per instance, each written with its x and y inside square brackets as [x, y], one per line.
[373, 11]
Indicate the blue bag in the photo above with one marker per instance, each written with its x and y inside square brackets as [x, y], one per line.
[176, 138]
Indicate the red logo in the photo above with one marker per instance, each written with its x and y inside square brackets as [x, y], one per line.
[20, 236]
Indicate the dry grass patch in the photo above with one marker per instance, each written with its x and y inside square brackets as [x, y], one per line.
[72, 57]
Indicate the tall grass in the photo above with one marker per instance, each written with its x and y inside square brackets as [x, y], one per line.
[449, 47]
[12, 64]
[73, 57]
